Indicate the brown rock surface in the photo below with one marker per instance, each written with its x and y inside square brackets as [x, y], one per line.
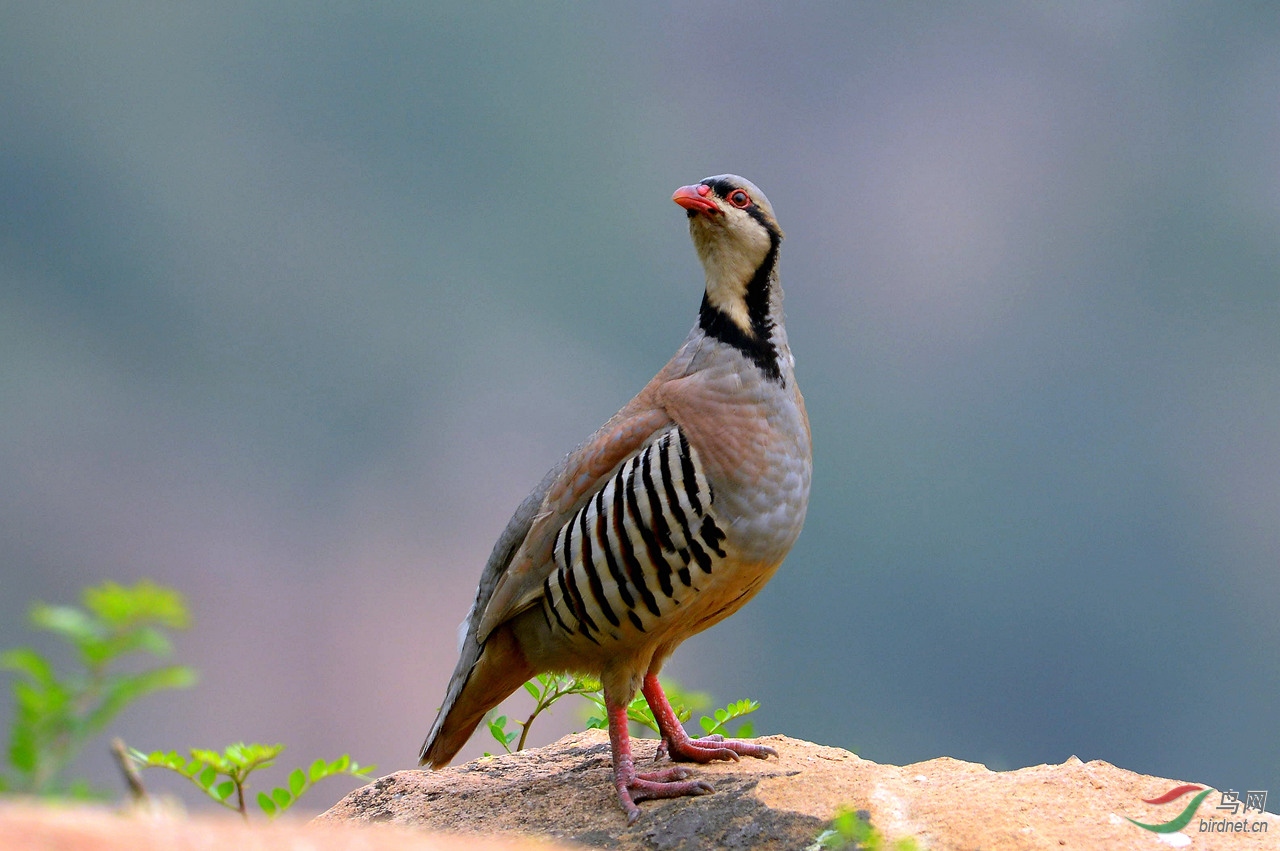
[564, 792]
[31, 826]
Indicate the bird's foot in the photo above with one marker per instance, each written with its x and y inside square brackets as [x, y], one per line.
[672, 782]
[711, 748]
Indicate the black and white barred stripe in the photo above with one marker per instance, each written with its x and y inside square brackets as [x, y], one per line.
[634, 551]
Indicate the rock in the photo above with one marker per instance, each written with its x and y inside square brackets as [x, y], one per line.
[35, 826]
[564, 792]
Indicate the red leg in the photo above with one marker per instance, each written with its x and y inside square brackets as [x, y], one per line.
[634, 787]
[684, 749]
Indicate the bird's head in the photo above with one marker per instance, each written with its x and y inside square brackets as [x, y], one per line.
[736, 237]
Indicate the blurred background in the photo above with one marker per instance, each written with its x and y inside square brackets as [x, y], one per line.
[297, 303]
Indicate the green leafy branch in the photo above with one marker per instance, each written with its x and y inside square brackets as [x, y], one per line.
[236, 763]
[716, 724]
[545, 689]
[55, 714]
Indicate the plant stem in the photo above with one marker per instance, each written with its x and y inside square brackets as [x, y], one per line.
[132, 778]
[550, 696]
[524, 726]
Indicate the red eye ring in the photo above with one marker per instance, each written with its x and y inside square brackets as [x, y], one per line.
[739, 198]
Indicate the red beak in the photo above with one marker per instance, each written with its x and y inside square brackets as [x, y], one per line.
[695, 199]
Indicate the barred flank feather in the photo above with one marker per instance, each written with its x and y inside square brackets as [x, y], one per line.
[636, 551]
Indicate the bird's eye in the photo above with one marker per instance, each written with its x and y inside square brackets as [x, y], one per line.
[739, 199]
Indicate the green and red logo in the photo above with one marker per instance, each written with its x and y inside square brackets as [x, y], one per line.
[1231, 800]
[1183, 818]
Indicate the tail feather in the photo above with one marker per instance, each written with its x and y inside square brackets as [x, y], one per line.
[498, 669]
[486, 672]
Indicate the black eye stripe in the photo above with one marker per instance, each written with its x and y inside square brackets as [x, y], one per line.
[724, 189]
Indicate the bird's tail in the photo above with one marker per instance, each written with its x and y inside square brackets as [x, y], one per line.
[485, 676]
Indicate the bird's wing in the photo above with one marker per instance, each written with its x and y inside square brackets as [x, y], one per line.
[516, 579]
[522, 557]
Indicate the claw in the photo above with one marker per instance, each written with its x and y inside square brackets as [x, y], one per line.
[634, 787]
[666, 775]
[653, 785]
[670, 782]
[676, 742]
[709, 749]
[649, 790]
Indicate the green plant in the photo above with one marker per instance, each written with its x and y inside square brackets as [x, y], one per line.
[716, 724]
[236, 763]
[55, 713]
[851, 830]
[546, 689]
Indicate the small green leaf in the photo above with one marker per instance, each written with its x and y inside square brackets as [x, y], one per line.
[707, 724]
[205, 778]
[27, 661]
[533, 690]
[340, 764]
[41, 702]
[211, 758]
[67, 621]
[498, 729]
[282, 798]
[222, 790]
[145, 602]
[268, 806]
[297, 780]
[319, 770]
[23, 751]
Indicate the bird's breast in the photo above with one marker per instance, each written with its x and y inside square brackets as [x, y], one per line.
[752, 434]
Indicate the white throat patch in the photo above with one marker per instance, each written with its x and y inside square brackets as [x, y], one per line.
[731, 251]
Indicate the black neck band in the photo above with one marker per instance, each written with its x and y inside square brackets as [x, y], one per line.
[758, 345]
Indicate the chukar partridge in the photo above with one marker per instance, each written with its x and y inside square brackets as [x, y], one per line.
[666, 521]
